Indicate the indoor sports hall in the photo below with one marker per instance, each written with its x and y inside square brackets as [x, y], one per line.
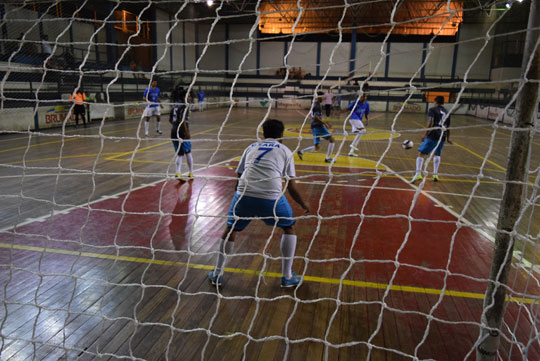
[106, 244]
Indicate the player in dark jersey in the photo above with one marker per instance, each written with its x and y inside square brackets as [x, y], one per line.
[179, 120]
[434, 139]
[319, 129]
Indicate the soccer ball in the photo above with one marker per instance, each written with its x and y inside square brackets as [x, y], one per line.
[408, 144]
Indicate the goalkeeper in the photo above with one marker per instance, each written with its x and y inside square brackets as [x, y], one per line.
[260, 194]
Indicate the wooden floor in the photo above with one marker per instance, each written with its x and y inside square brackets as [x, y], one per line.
[103, 255]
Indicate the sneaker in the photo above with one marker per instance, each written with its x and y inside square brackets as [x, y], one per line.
[179, 177]
[435, 178]
[190, 175]
[216, 281]
[146, 134]
[417, 178]
[159, 131]
[353, 154]
[300, 155]
[328, 160]
[291, 282]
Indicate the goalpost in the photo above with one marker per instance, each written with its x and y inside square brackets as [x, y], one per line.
[28, 105]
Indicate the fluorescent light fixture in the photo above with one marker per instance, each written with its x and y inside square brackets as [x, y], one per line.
[508, 5]
[209, 2]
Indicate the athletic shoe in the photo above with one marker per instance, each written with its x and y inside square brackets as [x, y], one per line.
[300, 155]
[159, 131]
[353, 154]
[216, 281]
[328, 160]
[146, 134]
[417, 178]
[291, 282]
[179, 177]
[435, 178]
[190, 175]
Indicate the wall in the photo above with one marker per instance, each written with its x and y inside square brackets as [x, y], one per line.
[403, 61]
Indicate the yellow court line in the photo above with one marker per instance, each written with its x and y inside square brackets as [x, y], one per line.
[168, 141]
[479, 156]
[63, 157]
[335, 281]
[60, 141]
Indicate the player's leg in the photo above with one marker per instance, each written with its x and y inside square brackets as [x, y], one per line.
[186, 146]
[330, 151]
[315, 146]
[437, 161]
[76, 119]
[358, 129]
[226, 247]
[146, 125]
[241, 207]
[282, 209]
[158, 119]
[179, 156]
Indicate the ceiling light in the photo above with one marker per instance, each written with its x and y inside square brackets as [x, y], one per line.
[209, 2]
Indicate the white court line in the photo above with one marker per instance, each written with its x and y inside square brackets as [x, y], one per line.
[401, 189]
[102, 198]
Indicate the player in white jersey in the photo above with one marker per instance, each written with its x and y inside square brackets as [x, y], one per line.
[260, 194]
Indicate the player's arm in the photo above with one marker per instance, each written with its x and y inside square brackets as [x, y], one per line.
[185, 128]
[448, 137]
[428, 125]
[367, 113]
[295, 195]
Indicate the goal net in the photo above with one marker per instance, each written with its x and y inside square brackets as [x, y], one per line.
[108, 237]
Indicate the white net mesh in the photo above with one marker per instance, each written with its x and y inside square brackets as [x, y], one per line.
[105, 254]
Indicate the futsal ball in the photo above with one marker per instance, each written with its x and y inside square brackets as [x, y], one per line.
[408, 144]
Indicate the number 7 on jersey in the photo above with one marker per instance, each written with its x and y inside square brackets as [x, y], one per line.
[264, 150]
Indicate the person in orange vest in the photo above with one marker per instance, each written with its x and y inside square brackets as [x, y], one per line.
[79, 98]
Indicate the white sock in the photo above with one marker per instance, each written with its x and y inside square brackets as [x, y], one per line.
[330, 150]
[189, 159]
[288, 246]
[357, 137]
[146, 127]
[225, 248]
[308, 149]
[436, 163]
[419, 164]
[179, 164]
[158, 125]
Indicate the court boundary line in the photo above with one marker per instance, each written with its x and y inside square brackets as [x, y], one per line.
[316, 279]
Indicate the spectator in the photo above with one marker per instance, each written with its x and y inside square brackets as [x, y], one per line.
[328, 100]
[78, 97]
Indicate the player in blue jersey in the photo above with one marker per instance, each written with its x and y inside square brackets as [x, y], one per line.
[319, 129]
[359, 110]
[153, 105]
[434, 139]
[200, 98]
[259, 193]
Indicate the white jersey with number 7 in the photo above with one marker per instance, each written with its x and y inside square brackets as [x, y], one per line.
[263, 165]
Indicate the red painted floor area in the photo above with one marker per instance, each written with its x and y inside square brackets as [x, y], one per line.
[379, 235]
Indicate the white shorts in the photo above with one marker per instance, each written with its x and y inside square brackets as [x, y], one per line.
[356, 125]
[151, 111]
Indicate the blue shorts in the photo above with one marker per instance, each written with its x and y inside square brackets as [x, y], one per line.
[429, 144]
[320, 132]
[185, 147]
[259, 207]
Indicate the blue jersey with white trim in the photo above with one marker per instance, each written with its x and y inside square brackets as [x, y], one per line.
[360, 110]
[152, 95]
